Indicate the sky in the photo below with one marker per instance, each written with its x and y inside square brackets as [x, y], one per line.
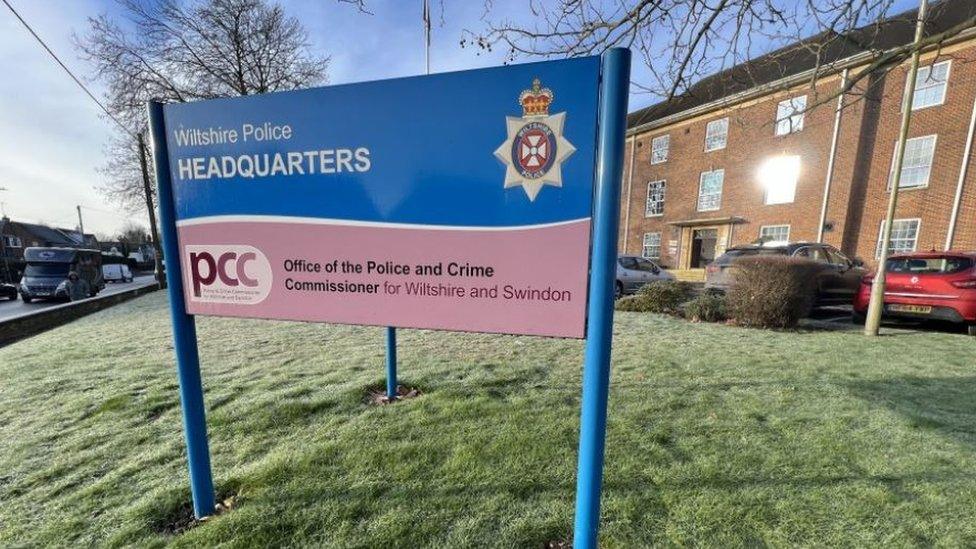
[52, 136]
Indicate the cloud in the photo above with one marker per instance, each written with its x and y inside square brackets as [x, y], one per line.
[51, 134]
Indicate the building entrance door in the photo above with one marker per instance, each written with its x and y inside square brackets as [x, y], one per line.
[703, 247]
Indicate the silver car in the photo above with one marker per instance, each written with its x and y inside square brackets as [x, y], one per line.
[634, 271]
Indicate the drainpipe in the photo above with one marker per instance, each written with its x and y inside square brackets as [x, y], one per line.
[831, 157]
[630, 181]
[954, 218]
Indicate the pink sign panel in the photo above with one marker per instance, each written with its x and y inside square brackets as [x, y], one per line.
[522, 280]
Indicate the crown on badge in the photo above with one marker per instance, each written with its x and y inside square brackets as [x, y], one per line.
[536, 101]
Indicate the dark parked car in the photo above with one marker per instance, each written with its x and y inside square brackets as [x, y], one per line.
[8, 291]
[926, 285]
[838, 280]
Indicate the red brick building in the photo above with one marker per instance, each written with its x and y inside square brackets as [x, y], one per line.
[770, 150]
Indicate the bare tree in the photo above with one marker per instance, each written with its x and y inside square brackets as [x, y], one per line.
[122, 175]
[185, 50]
[682, 42]
[133, 234]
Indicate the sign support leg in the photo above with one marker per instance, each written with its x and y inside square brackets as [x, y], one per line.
[391, 363]
[184, 330]
[599, 331]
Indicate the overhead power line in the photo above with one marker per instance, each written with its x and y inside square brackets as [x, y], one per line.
[63, 66]
[117, 214]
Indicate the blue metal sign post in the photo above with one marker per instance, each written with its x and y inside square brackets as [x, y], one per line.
[614, 82]
[184, 330]
[391, 363]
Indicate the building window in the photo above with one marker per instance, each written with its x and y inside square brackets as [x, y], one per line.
[777, 233]
[716, 134]
[12, 241]
[789, 115]
[917, 164]
[652, 246]
[904, 236]
[778, 177]
[930, 85]
[659, 149]
[710, 190]
[655, 198]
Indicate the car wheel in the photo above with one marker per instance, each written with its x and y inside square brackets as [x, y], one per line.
[618, 290]
[857, 318]
[26, 299]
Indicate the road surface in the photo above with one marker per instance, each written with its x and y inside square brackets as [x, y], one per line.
[13, 309]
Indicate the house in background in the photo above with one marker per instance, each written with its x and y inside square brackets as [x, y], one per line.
[114, 247]
[740, 157]
[85, 240]
[15, 236]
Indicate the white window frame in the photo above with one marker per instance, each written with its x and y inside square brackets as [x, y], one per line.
[645, 246]
[664, 191]
[765, 227]
[918, 231]
[11, 241]
[655, 148]
[701, 183]
[928, 174]
[710, 136]
[945, 85]
[793, 119]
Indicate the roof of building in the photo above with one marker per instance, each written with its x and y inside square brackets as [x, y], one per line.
[50, 235]
[801, 56]
[79, 238]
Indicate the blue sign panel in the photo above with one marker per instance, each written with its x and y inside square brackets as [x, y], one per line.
[410, 150]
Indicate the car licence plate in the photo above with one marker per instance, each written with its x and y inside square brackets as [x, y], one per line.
[917, 309]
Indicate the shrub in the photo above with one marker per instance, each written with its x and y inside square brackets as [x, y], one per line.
[771, 291]
[708, 307]
[660, 296]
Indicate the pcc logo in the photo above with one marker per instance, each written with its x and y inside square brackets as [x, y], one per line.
[227, 274]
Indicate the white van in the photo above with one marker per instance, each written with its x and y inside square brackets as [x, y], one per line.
[116, 272]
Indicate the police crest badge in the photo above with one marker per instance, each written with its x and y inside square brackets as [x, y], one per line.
[535, 148]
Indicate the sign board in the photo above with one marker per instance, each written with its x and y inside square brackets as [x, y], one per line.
[485, 200]
[458, 201]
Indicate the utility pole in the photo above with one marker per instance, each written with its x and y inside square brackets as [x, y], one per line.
[426, 37]
[3, 244]
[81, 225]
[873, 321]
[151, 209]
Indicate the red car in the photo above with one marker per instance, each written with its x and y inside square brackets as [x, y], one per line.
[931, 285]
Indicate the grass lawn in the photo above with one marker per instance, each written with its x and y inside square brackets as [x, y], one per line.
[718, 436]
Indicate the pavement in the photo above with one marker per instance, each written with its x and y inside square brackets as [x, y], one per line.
[13, 309]
[839, 318]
